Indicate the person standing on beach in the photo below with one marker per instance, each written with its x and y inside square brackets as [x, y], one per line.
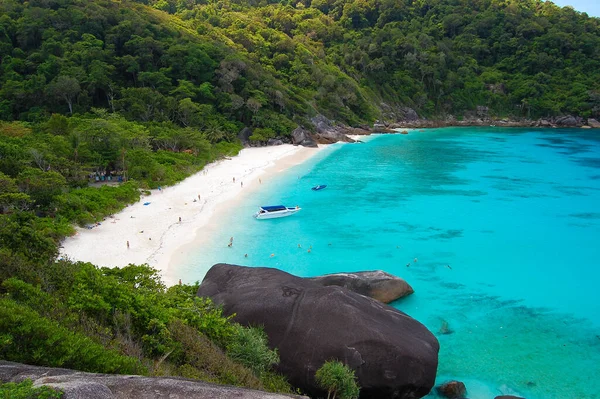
[127, 244]
[198, 197]
[234, 179]
[242, 184]
[179, 219]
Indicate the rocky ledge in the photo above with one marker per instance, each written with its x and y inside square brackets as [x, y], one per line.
[80, 385]
[377, 284]
[392, 354]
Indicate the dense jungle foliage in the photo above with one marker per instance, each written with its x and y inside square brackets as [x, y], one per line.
[101, 100]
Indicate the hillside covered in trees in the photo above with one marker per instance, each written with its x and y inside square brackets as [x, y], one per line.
[148, 92]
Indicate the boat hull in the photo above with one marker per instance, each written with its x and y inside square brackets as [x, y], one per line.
[276, 214]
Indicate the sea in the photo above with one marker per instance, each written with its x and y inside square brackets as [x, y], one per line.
[496, 229]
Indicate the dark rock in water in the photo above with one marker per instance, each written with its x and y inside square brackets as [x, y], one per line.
[333, 136]
[393, 355]
[452, 390]
[301, 136]
[445, 328]
[80, 385]
[375, 284]
[508, 397]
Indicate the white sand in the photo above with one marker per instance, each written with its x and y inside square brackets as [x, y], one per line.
[154, 232]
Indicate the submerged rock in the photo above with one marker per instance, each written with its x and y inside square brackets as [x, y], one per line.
[376, 284]
[80, 385]
[452, 390]
[392, 354]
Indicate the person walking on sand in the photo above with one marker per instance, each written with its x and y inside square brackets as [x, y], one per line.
[242, 184]
[198, 197]
[234, 179]
[179, 219]
[127, 244]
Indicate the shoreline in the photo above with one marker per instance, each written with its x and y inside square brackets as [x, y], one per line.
[160, 226]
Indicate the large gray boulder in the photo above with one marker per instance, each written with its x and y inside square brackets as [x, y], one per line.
[301, 136]
[593, 123]
[567, 121]
[393, 355]
[376, 284]
[80, 385]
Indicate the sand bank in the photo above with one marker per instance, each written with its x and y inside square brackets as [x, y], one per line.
[172, 217]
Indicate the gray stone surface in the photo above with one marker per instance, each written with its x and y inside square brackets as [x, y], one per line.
[593, 123]
[377, 284]
[393, 355]
[80, 385]
[301, 136]
[567, 121]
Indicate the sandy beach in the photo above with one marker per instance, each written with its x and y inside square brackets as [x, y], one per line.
[157, 227]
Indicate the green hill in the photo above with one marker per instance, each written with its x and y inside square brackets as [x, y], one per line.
[148, 92]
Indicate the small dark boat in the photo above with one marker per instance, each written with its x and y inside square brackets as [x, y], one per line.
[319, 187]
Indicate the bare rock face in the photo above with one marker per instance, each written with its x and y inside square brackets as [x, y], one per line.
[80, 385]
[593, 123]
[567, 121]
[452, 390]
[392, 354]
[272, 142]
[244, 135]
[301, 136]
[377, 284]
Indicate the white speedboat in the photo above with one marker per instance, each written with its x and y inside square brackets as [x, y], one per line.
[275, 211]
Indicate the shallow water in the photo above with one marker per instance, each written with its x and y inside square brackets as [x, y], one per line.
[497, 230]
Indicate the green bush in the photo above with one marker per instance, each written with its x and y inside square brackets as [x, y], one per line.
[249, 346]
[25, 390]
[338, 379]
[32, 339]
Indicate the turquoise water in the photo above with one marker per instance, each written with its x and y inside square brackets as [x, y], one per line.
[504, 225]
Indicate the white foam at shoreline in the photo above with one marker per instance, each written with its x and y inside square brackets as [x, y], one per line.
[154, 231]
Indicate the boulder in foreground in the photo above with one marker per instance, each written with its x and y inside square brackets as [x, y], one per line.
[80, 385]
[392, 354]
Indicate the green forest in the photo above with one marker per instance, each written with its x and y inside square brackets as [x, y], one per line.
[101, 101]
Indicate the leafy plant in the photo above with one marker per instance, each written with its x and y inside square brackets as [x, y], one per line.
[337, 379]
[25, 390]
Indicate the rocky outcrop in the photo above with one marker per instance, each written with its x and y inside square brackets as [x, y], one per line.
[80, 385]
[452, 390]
[377, 284]
[593, 123]
[301, 136]
[392, 354]
[567, 121]
[275, 141]
[328, 133]
[244, 135]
